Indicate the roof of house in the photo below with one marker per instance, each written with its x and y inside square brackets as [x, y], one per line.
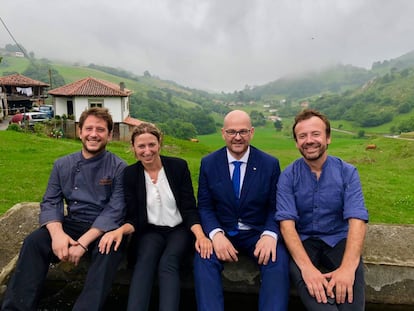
[20, 80]
[132, 121]
[90, 87]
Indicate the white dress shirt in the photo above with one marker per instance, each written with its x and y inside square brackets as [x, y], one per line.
[161, 205]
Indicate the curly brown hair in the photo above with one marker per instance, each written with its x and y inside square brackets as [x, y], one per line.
[307, 114]
[100, 113]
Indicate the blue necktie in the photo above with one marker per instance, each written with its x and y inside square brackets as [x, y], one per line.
[236, 178]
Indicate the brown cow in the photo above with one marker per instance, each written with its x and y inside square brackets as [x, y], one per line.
[371, 147]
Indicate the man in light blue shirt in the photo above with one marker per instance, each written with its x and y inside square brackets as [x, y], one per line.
[90, 184]
[322, 215]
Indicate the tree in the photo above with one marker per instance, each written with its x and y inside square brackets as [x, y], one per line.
[278, 125]
[361, 134]
[178, 128]
[203, 121]
[257, 118]
[42, 71]
[406, 126]
[404, 107]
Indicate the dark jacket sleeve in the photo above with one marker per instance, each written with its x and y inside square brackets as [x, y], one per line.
[135, 196]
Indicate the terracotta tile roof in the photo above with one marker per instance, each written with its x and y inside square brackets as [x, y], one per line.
[20, 80]
[90, 87]
[132, 121]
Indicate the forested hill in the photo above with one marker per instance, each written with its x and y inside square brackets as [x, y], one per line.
[335, 79]
[332, 80]
[376, 102]
[400, 63]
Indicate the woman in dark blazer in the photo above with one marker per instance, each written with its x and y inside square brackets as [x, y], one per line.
[161, 214]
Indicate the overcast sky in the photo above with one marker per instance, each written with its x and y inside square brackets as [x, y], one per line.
[218, 45]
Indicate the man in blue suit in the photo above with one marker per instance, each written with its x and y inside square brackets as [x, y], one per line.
[240, 220]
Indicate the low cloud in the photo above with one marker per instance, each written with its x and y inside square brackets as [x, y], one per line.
[212, 44]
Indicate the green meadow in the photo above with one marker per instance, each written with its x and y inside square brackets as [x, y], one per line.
[387, 173]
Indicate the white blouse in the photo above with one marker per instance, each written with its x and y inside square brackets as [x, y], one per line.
[161, 205]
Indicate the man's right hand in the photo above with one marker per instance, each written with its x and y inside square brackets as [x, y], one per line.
[316, 284]
[223, 248]
[60, 240]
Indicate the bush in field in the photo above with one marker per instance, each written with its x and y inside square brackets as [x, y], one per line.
[14, 127]
[39, 129]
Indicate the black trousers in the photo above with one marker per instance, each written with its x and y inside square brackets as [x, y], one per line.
[26, 284]
[159, 250]
[328, 258]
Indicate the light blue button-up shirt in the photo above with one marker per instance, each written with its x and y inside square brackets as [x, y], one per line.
[320, 207]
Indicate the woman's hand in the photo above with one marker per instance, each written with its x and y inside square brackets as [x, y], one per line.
[204, 247]
[110, 238]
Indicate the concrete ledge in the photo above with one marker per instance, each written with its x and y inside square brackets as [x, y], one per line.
[389, 264]
[388, 256]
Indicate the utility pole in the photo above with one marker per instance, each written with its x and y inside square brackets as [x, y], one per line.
[50, 78]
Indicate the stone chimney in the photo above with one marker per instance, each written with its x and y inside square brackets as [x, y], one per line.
[121, 86]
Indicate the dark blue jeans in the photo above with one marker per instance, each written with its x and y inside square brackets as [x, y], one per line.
[26, 284]
[327, 259]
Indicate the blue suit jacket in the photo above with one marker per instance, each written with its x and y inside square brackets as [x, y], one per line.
[216, 200]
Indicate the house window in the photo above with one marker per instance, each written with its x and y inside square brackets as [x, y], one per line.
[95, 102]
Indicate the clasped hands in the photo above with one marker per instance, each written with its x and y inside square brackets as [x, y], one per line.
[67, 249]
[337, 284]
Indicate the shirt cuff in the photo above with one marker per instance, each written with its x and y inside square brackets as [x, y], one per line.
[270, 233]
[213, 232]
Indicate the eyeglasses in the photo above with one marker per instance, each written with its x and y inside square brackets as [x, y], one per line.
[233, 133]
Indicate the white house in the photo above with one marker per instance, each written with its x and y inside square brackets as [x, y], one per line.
[72, 99]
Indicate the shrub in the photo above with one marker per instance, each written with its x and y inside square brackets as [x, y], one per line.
[14, 127]
[39, 129]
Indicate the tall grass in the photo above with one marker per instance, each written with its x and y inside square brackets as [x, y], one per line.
[387, 173]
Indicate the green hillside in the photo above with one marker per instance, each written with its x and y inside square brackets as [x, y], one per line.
[384, 104]
[73, 72]
[335, 79]
[399, 63]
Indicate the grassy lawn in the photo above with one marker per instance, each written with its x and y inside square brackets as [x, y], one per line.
[387, 173]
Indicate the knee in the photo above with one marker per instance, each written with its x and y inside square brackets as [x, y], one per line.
[211, 264]
[199, 261]
[169, 264]
[35, 241]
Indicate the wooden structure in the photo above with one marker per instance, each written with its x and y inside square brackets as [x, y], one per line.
[18, 92]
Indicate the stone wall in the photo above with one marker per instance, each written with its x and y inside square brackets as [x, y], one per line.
[388, 256]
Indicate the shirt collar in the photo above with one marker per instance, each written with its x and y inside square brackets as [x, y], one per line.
[243, 159]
